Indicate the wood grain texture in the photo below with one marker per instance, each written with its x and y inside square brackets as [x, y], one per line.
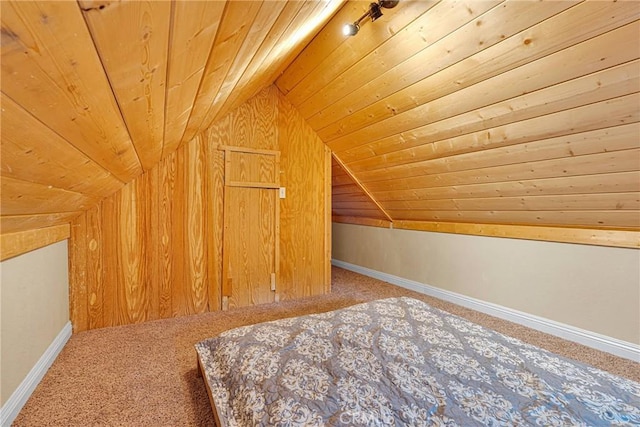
[78, 292]
[154, 249]
[513, 52]
[430, 28]
[303, 218]
[256, 40]
[494, 112]
[96, 92]
[346, 188]
[196, 225]
[604, 140]
[323, 44]
[132, 240]
[15, 223]
[617, 238]
[135, 60]
[376, 206]
[215, 217]
[249, 245]
[24, 197]
[235, 25]
[265, 58]
[291, 43]
[51, 69]
[619, 182]
[328, 66]
[328, 242]
[165, 186]
[399, 78]
[26, 142]
[359, 220]
[18, 243]
[193, 30]
[94, 266]
[112, 267]
[248, 169]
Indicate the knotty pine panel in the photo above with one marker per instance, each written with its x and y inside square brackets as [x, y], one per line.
[132, 242]
[193, 30]
[135, 60]
[50, 68]
[621, 182]
[146, 247]
[26, 142]
[345, 52]
[571, 202]
[442, 143]
[27, 198]
[474, 23]
[95, 285]
[605, 140]
[572, 27]
[592, 164]
[154, 249]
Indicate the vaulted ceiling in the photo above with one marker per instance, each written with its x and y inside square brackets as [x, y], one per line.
[480, 112]
[453, 111]
[95, 92]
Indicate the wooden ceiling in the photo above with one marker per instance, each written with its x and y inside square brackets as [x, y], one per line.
[440, 112]
[480, 112]
[96, 92]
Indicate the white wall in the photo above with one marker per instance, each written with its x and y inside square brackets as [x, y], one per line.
[589, 287]
[34, 308]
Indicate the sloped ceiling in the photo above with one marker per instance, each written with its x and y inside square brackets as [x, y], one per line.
[453, 111]
[480, 112]
[96, 92]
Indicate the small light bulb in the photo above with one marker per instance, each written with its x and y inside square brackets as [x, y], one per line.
[350, 29]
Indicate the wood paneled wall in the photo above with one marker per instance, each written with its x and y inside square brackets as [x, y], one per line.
[154, 249]
[351, 202]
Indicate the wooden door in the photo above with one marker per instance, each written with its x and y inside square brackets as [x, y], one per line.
[251, 226]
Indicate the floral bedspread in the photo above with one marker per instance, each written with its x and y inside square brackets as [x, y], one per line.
[401, 362]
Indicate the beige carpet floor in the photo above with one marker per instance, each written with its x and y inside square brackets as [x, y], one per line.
[146, 374]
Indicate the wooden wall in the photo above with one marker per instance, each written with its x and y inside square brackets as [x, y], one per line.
[154, 249]
[517, 113]
[346, 191]
[96, 92]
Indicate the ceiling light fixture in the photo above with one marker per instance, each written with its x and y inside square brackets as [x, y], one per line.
[374, 12]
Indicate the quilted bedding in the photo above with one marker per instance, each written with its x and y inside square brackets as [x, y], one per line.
[401, 362]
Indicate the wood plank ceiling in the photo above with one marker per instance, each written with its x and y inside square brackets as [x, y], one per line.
[483, 112]
[453, 111]
[94, 93]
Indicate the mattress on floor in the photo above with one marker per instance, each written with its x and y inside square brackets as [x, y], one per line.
[401, 362]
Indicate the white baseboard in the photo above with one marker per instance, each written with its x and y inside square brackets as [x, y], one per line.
[14, 404]
[571, 333]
